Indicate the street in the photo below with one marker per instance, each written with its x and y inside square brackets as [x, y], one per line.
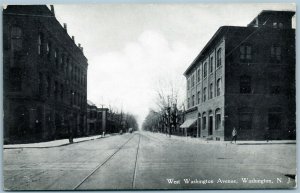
[145, 160]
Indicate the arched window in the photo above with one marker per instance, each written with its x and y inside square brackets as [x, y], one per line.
[204, 94]
[219, 57]
[245, 84]
[211, 65]
[193, 80]
[199, 75]
[211, 88]
[219, 87]
[205, 70]
[193, 100]
[198, 97]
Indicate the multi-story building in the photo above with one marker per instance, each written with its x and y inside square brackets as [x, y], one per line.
[91, 118]
[96, 119]
[102, 119]
[245, 78]
[45, 76]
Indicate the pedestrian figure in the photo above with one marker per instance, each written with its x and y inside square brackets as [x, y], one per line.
[234, 135]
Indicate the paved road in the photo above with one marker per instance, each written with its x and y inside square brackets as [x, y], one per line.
[149, 161]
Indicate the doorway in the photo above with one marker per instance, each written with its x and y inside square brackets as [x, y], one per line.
[210, 125]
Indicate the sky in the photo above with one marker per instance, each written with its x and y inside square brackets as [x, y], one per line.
[134, 50]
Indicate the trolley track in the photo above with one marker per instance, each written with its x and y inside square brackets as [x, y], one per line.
[108, 159]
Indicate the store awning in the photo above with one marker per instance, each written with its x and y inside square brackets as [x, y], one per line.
[187, 123]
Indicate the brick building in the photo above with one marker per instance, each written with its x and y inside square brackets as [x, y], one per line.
[245, 78]
[45, 76]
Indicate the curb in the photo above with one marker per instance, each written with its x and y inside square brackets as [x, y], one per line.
[287, 143]
[65, 144]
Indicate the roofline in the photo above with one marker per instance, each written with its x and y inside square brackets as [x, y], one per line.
[292, 13]
[217, 33]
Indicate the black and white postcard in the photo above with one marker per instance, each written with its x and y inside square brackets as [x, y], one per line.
[159, 96]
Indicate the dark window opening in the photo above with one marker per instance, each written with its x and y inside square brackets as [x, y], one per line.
[219, 57]
[276, 53]
[219, 87]
[205, 70]
[218, 119]
[245, 52]
[245, 84]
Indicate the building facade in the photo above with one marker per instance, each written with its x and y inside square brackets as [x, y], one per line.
[245, 78]
[96, 119]
[45, 76]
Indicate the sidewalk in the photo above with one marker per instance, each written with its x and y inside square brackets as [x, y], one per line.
[204, 141]
[55, 143]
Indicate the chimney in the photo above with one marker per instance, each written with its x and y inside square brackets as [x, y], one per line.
[79, 45]
[52, 9]
[73, 38]
[65, 26]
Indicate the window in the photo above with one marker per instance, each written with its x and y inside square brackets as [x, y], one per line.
[204, 121]
[211, 91]
[198, 97]
[218, 119]
[199, 75]
[280, 25]
[274, 24]
[40, 44]
[188, 84]
[245, 84]
[193, 81]
[211, 65]
[276, 53]
[16, 38]
[219, 87]
[245, 118]
[246, 52]
[193, 100]
[219, 59]
[204, 94]
[188, 103]
[205, 70]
